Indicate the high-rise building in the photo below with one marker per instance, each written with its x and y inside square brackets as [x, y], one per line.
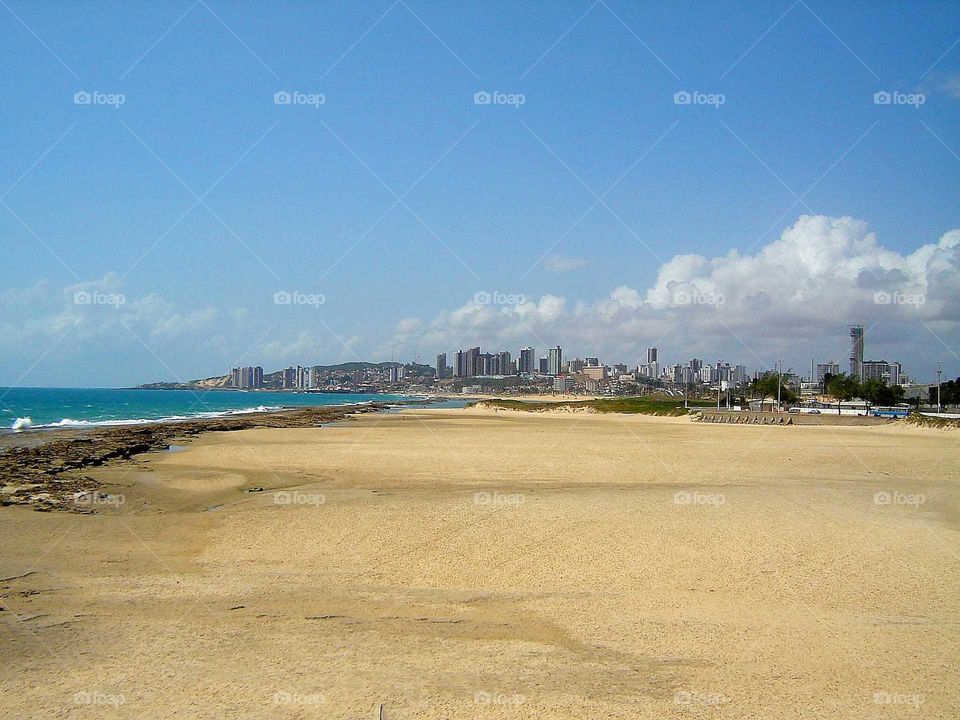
[473, 361]
[460, 364]
[505, 363]
[246, 378]
[824, 369]
[544, 365]
[592, 362]
[289, 378]
[528, 361]
[441, 366]
[856, 352]
[554, 360]
[651, 355]
[882, 370]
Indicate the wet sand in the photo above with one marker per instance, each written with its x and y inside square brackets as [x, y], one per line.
[474, 564]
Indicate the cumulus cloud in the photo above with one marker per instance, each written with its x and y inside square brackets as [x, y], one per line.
[822, 274]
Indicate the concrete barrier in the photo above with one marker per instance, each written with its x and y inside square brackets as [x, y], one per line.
[753, 417]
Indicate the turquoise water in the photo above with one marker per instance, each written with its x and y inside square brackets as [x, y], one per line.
[23, 408]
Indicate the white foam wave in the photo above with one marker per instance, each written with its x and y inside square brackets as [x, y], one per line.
[70, 422]
[23, 423]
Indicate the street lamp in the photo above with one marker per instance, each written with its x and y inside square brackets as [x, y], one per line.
[939, 375]
[779, 381]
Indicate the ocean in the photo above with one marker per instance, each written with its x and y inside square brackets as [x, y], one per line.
[23, 408]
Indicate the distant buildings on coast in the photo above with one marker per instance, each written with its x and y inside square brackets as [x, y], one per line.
[554, 372]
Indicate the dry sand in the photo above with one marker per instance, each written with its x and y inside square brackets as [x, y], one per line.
[475, 564]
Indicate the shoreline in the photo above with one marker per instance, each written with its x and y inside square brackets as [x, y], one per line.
[42, 467]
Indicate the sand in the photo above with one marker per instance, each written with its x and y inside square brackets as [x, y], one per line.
[476, 564]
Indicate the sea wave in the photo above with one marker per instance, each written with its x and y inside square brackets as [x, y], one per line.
[71, 422]
[23, 423]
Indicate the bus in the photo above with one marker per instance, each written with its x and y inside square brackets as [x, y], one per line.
[895, 411]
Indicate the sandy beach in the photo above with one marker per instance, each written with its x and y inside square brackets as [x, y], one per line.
[481, 564]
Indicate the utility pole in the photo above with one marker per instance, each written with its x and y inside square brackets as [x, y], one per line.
[779, 381]
[939, 375]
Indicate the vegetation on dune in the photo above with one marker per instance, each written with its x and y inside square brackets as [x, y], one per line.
[631, 405]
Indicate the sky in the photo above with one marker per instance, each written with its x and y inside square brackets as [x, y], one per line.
[192, 186]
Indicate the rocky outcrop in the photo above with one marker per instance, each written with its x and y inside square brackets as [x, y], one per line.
[46, 473]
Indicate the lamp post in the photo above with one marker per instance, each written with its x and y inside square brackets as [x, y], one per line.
[939, 375]
[779, 381]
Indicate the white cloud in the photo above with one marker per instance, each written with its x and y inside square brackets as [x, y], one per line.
[822, 274]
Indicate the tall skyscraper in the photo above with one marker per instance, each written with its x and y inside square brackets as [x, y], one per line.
[856, 352]
[555, 360]
[544, 365]
[651, 355]
[505, 362]
[528, 361]
[473, 362]
[460, 364]
[441, 366]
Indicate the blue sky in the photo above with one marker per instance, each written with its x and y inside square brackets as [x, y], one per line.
[100, 198]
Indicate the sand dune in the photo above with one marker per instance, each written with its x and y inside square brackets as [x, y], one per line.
[472, 564]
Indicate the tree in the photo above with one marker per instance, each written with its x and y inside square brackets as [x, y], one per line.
[766, 387]
[842, 387]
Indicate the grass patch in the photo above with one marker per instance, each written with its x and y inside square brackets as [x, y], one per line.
[926, 421]
[628, 405]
